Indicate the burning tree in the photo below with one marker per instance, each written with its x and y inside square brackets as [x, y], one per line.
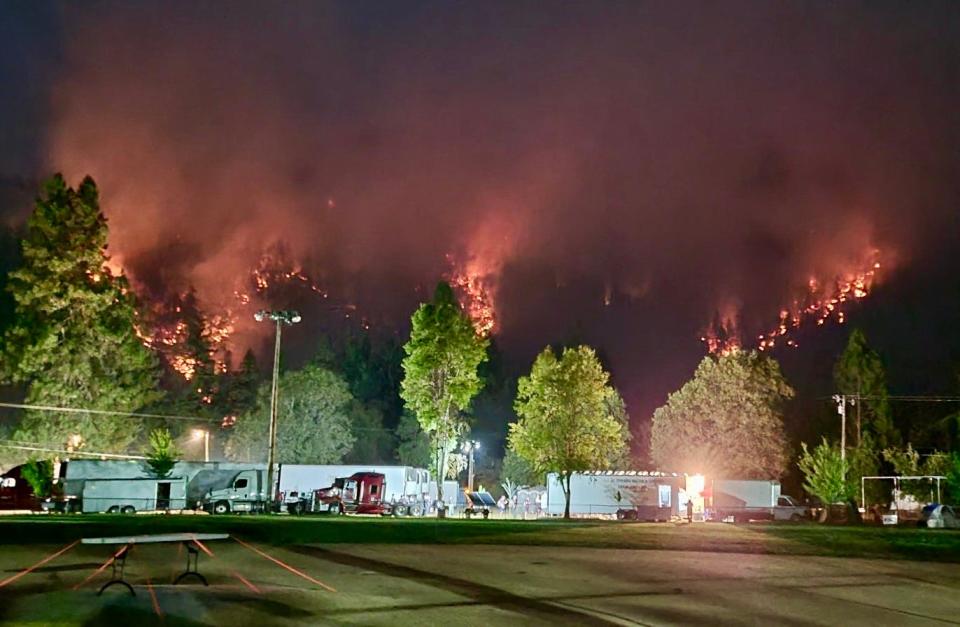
[569, 418]
[440, 372]
[727, 420]
[73, 342]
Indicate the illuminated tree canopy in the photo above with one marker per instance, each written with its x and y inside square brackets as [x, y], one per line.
[441, 371]
[73, 343]
[727, 421]
[569, 420]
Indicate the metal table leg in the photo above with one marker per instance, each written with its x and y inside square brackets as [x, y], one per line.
[119, 563]
[191, 568]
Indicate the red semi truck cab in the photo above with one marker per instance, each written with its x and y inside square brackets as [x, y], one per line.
[360, 493]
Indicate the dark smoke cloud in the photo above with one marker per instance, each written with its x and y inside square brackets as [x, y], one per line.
[671, 158]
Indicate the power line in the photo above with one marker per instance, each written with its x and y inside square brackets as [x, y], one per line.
[104, 412]
[903, 398]
[29, 446]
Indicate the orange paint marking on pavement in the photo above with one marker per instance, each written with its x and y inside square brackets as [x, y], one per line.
[153, 599]
[284, 565]
[203, 547]
[246, 582]
[102, 567]
[27, 571]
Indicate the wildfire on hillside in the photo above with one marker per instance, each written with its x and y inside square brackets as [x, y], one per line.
[822, 300]
[475, 295]
[167, 332]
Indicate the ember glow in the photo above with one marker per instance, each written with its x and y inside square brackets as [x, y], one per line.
[475, 296]
[167, 333]
[822, 301]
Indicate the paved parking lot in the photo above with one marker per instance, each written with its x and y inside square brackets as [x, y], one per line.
[471, 585]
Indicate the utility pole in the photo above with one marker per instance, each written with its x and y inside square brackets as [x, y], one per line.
[280, 318]
[841, 400]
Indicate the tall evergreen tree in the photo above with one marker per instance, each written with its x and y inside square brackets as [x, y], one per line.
[440, 372]
[72, 342]
[859, 374]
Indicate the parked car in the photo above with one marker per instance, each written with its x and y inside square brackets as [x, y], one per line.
[937, 516]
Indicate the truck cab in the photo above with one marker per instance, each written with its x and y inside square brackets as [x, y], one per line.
[245, 492]
[360, 493]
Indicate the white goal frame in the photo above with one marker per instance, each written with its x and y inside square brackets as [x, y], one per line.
[896, 484]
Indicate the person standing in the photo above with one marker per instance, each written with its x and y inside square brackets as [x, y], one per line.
[689, 510]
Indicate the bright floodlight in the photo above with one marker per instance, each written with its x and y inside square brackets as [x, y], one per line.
[260, 315]
[295, 318]
[198, 434]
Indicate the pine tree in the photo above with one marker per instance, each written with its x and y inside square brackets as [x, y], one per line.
[859, 373]
[72, 343]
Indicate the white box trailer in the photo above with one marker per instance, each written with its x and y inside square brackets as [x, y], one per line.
[128, 496]
[641, 495]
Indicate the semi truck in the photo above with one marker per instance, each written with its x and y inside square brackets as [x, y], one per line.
[746, 500]
[407, 487]
[245, 492]
[15, 492]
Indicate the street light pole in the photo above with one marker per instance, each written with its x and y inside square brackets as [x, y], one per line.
[272, 437]
[469, 447]
[280, 318]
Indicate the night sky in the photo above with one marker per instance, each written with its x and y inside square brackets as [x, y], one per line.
[616, 172]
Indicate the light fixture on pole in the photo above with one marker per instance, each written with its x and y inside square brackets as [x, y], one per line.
[468, 448]
[205, 434]
[279, 318]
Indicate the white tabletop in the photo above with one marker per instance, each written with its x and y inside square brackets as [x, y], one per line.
[160, 537]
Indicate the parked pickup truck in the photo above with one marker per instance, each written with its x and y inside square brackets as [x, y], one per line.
[746, 500]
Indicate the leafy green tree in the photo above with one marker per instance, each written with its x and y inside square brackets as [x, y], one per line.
[565, 422]
[518, 471]
[440, 372]
[72, 343]
[825, 474]
[727, 421]
[907, 462]
[39, 474]
[859, 373]
[162, 454]
[413, 447]
[313, 420]
[953, 479]
[373, 443]
[864, 461]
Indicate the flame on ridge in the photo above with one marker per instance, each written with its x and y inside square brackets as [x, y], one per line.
[822, 301]
[476, 297]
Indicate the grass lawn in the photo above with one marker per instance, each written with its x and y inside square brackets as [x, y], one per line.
[782, 539]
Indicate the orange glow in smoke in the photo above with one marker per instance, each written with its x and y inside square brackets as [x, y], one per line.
[823, 300]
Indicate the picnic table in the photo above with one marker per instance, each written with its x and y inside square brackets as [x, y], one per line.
[193, 542]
